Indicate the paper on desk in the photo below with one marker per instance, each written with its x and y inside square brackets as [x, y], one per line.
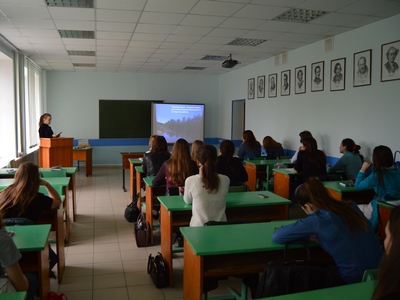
[394, 202]
[290, 169]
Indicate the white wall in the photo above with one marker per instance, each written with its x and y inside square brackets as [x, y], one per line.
[368, 114]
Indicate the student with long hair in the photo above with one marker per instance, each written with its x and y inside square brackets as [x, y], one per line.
[272, 148]
[11, 276]
[22, 199]
[351, 161]
[385, 180]
[310, 161]
[153, 160]
[229, 165]
[338, 226]
[250, 147]
[45, 130]
[207, 191]
[388, 282]
[302, 135]
[180, 166]
[195, 147]
[151, 140]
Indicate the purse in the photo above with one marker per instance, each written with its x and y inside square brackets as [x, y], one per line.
[132, 211]
[55, 296]
[141, 231]
[157, 270]
[283, 277]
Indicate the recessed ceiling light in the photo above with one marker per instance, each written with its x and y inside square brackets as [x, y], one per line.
[76, 34]
[84, 65]
[194, 68]
[82, 53]
[246, 42]
[300, 15]
[214, 57]
[71, 3]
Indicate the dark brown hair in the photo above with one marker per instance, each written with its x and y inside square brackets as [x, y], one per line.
[382, 159]
[388, 284]
[313, 155]
[270, 142]
[23, 190]
[195, 147]
[42, 117]
[250, 139]
[304, 134]
[159, 144]
[207, 156]
[178, 166]
[227, 148]
[314, 192]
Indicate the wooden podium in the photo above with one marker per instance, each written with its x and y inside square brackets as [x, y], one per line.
[55, 152]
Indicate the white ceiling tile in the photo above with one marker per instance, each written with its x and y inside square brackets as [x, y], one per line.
[337, 19]
[227, 32]
[110, 49]
[83, 59]
[81, 47]
[33, 23]
[325, 5]
[40, 32]
[10, 32]
[107, 15]
[161, 18]
[283, 3]
[170, 6]
[216, 40]
[260, 12]
[260, 34]
[183, 38]
[25, 12]
[175, 45]
[239, 23]
[72, 13]
[144, 44]
[5, 23]
[114, 26]
[188, 30]
[45, 40]
[84, 42]
[279, 26]
[206, 46]
[312, 28]
[212, 8]
[154, 28]
[368, 7]
[121, 4]
[137, 54]
[18, 40]
[148, 37]
[206, 21]
[74, 25]
[111, 59]
[140, 50]
[364, 21]
[109, 55]
[108, 35]
[24, 2]
[123, 43]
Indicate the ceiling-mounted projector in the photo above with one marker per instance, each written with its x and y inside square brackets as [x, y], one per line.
[229, 63]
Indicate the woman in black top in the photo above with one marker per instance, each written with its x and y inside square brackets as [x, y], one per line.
[310, 161]
[45, 130]
[153, 160]
[229, 165]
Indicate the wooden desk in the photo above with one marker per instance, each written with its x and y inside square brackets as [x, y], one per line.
[152, 192]
[126, 164]
[225, 250]
[139, 179]
[260, 169]
[355, 291]
[243, 206]
[283, 182]
[133, 162]
[84, 154]
[340, 192]
[31, 241]
[13, 296]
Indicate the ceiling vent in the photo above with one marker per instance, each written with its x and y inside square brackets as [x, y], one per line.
[82, 53]
[214, 57]
[246, 42]
[76, 34]
[300, 15]
[70, 3]
[84, 65]
[194, 68]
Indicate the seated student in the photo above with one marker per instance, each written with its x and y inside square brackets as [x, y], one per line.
[250, 147]
[195, 147]
[151, 139]
[175, 170]
[385, 180]
[206, 191]
[229, 165]
[338, 226]
[272, 148]
[302, 135]
[22, 199]
[310, 160]
[388, 282]
[11, 277]
[351, 160]
[153, 160]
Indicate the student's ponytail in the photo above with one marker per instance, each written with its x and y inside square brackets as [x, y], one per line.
[207, 156]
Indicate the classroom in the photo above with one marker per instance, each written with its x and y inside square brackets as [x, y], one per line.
[101, 258]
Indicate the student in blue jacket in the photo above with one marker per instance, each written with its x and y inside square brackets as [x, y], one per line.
[338, 226]
[250, 147]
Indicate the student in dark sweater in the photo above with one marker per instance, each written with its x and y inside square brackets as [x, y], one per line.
[310, 161]
[153, 160]
[229, 165]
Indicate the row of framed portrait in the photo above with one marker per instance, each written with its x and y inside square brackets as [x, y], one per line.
[362, 63]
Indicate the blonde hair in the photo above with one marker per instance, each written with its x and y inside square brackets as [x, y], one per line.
[195, 147]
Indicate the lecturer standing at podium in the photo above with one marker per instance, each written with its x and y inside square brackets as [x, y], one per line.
[45, 130]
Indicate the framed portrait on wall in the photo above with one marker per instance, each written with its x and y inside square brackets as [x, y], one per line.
[300, 80]
[285, 83]
[272, 86]
[261, 87]
[317, 76]
[250, 88]
[362, 68]
[390, 61]
[338, 74]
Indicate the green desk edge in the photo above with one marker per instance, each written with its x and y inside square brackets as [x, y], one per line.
[139, 169]
[13, 296]
[9, 172]
[54, 181]
[30, 237]
[135, 161]
[335, 186]
[268, 162]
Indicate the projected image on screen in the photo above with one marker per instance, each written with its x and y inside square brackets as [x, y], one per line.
[177, 120]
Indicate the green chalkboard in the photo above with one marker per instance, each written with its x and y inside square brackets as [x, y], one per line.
[125, 118]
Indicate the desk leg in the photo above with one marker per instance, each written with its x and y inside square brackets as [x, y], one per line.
[166, 240]
[149, 210]
[72, 187]
[282, 184]
[89, 163]
[132, 190]
[123, 179]
[43, 273]
[66, 212]
[60, 244]
[252, 176]
[192, 274]
[139, 188]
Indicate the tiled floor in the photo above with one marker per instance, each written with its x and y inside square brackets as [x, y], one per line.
[102, 259]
